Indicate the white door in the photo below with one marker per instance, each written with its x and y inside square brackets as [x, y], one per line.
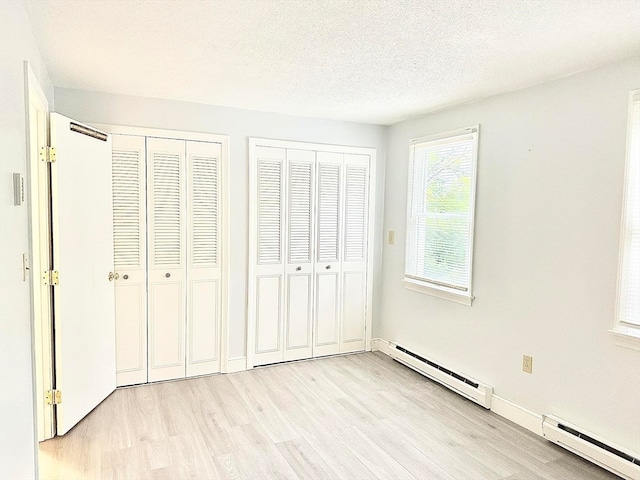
[203, 257]
[354, 253]
[84, 318]
[298, 314]
[167, 258]
[130, 258]
[267, 288]
[328, 251]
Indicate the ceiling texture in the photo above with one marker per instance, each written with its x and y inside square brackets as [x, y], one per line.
[371, 61]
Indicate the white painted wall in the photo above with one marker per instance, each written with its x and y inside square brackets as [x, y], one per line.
[92, 107]
[550, 173]
[17, 434]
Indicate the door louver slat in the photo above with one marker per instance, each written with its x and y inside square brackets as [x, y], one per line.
[126, 208]
[269, 211]
[167, 209]
[356, 213]
[299, 212]
[205, 211]
[328, 212]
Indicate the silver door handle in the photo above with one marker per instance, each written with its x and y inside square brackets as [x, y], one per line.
[125, 277]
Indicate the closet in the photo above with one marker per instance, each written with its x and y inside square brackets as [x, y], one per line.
[310, 250]
[166, 226]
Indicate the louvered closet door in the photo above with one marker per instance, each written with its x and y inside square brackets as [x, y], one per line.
[328, 252]
[300, 168]
[130, 258]
[167, 258]
[354, 253]
[203, 273]
[268, 288]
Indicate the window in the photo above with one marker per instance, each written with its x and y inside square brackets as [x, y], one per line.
[440, 207]
[628, 301]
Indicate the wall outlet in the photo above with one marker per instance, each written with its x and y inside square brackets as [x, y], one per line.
[391, 239]
[527, 364]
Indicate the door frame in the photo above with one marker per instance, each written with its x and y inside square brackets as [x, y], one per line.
[38, 198]
[223, 140]
[255, 142]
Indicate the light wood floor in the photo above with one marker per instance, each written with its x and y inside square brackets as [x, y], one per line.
[360, 416]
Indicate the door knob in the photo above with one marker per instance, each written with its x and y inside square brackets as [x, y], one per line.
[298, 269]
[167, 274]
[125, 277]
[328, 267]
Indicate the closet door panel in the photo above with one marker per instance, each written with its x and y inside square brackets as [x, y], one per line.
[300, 168]
[130, 258]
[203, 273]
[328, 251]
[354, 255]
[267, 289]
[167, 258]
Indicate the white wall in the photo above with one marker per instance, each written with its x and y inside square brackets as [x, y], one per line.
[17, 434]
[550, 173]
[92, 107]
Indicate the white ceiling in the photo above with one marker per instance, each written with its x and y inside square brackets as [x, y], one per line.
[373, 61]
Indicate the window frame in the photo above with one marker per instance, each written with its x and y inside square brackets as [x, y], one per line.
[625, 334]
[423, 285]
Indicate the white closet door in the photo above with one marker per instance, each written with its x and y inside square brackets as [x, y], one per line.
[130, 258]
[267, 291]
[328, 251]
[300, 168]
[354, 253]
[167, 258]
[203, 273]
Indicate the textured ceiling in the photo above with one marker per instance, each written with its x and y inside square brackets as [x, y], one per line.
[372, 61]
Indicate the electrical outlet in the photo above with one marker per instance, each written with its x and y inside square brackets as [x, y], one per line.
[527, 364]
[392, 237]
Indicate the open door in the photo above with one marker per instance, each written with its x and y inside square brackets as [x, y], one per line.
[84, 312]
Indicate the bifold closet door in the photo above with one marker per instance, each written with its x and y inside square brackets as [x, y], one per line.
[299, 226]
[328, 251]
[203, 272]
[268, 288]
[354, 253]
[130, 258]
[166, 200]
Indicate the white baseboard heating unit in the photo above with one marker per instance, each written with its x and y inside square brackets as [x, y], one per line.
[467, 387]
[590, 447]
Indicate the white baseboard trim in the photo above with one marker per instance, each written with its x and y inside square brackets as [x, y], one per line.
[500, 406]
[380, 345]
[518, 415]
[238, 364]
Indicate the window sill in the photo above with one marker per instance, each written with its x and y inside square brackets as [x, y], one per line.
[627, 337]
[440, 292]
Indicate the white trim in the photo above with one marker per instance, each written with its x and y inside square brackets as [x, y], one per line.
[238, 364]
[626, 338]
[441, 292]
[517, 414]
[380, 345]
[161, 133]
[38, 213]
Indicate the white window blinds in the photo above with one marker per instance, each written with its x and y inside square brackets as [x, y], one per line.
[440, 206]
[629, 274]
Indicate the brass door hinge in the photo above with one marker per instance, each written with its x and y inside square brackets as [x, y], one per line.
[48, 154]
[53, 397]
[51, 277]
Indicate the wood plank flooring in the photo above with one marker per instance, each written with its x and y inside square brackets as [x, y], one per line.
[360, 416]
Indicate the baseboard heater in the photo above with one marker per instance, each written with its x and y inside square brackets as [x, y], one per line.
[467, 387]
[587, 445]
